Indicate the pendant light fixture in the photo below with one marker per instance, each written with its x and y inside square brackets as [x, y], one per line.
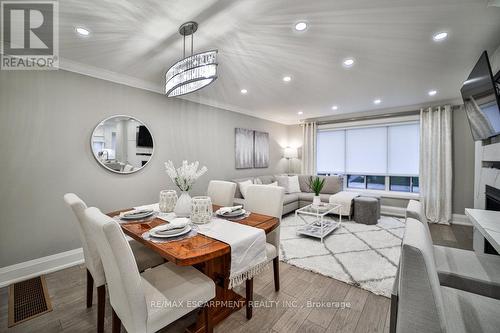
[193, 72]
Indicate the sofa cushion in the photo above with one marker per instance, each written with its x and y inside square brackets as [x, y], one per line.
[237, 194]
[333, 184]
[266, 179]
[289, 198]
[306, 196]
[244, 186]
[304, 184]
[293, 184]
[469, 271]
[468, 312]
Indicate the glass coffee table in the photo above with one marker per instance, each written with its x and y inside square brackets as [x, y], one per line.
[319, 227]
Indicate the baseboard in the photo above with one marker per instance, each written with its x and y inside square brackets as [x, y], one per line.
[36, 267]
[460, 219]
[393, 211]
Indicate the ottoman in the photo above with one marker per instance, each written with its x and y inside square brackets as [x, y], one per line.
[366, 210]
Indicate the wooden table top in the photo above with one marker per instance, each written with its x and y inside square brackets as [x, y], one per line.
[192, 250]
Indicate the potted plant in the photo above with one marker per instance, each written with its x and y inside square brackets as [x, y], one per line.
[184, 177]
[316, 185]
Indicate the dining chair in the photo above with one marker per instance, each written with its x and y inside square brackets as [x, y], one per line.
[146, 302]
[95, 273]
[221, 192]
[266, 200]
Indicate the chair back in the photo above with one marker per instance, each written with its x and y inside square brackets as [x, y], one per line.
[221, 192]
[126, 293]
[90, 252]
[420, 306]
[266, 200]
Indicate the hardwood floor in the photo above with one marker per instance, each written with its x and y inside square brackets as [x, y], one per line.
[306, 302]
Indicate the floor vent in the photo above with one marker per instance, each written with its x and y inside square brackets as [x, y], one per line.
[28, 299]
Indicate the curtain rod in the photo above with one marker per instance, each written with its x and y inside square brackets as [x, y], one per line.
[368, 117]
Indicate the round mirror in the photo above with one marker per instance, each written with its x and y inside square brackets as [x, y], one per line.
[122, 144]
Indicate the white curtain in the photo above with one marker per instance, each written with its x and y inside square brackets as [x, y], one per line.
[436, 163]
[309, 148]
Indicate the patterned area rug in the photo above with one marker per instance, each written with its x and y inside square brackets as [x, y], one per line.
[361, 255]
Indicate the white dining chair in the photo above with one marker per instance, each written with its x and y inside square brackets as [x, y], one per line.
[146, 302]
[221, 192]
[145, 258]
[266, 200]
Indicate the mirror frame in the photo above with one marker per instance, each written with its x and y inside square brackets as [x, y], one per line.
[109, 169]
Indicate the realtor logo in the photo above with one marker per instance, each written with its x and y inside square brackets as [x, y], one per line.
[30, 35]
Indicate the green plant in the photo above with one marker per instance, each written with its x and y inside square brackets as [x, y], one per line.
[316, 184]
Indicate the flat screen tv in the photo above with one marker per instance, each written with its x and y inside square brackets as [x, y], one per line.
[144, 138]
[481, 97]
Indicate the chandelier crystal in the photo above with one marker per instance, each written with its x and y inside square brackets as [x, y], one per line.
[191, 73]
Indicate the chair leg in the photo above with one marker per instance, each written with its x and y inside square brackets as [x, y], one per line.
[394, 313]
[101, 303]
[249, 297]
[207, 313]
[276, 269]
[117, 323]
[90, 289]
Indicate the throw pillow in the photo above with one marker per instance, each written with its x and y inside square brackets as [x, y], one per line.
[257, 181]
[244, 186]
[293, 184]
[283, 182]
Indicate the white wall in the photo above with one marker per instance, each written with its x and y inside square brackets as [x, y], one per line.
[46, 120]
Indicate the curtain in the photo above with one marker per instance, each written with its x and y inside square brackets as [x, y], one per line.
[309, 148]
[436, 163]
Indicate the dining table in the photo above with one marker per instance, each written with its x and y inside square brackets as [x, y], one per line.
[208, 255]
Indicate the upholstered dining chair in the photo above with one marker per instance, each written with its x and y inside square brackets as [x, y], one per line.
[145, 302]
[221, 192]
[266, 200]
[145, 258]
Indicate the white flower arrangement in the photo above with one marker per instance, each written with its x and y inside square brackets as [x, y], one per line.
[185, 176]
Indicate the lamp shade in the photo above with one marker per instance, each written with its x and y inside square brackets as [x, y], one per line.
[290, 152]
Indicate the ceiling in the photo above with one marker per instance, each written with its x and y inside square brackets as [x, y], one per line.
[135, 42]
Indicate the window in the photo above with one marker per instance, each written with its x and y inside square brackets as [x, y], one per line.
[382, 157]
[356, 181]
[375, 182]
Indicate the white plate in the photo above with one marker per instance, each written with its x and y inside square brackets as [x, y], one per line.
[184, 231]
[136, 216]
[240, 213]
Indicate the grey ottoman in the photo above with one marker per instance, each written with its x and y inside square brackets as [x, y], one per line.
[366, 210]
[378, 197]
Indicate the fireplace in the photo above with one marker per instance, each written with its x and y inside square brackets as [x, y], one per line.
[492, 203]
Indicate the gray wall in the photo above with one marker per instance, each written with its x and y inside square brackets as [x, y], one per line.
[46, 119]
[463, 162]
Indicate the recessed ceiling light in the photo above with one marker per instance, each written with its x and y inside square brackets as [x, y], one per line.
[432, 92]
[287, 78]
[377, 101]
[335, 107]
[243, 91]
[440, 36]
[300, 26]
[82, 31]
[349, 62]
[300, 112]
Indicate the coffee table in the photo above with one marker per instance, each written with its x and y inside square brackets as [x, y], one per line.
[318, 227]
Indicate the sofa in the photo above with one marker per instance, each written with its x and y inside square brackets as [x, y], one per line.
[293, 201]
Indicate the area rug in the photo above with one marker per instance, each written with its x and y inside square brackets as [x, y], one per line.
[362, 255]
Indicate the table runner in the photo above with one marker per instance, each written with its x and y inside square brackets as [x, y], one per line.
[248, 248]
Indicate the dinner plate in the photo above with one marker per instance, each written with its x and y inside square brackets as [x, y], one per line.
[136, 216]
[180, 233]
[233, 214]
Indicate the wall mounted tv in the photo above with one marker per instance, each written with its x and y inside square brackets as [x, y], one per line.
[481, 95]
[144, 138]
